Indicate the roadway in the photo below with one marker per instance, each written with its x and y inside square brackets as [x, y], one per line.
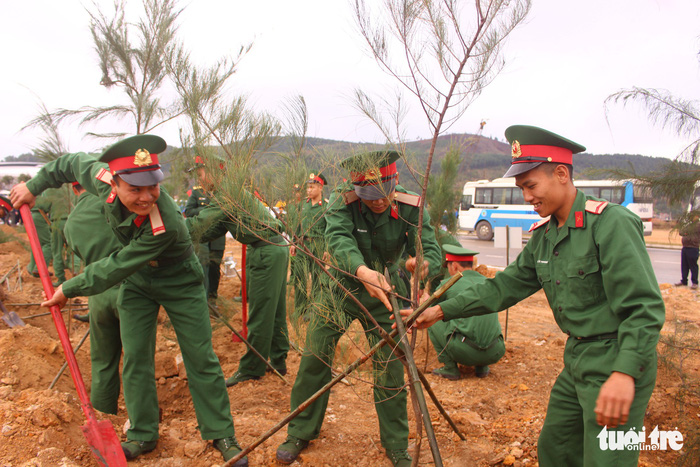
[665, 261]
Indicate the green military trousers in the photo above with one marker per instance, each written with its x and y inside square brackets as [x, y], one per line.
[452, 349]
[43, 231]
[266, 284]
[570, 432]
[105, 350]
[178, 288]
[315, 372]
[62, 255]
[304, 266]
[210, 258]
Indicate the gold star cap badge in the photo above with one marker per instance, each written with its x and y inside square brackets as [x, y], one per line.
[142, 157]
[515, 149]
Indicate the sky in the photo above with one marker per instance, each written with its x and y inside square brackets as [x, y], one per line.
[560, 66]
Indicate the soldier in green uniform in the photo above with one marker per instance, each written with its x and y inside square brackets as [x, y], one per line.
[368, 226]
[590, 258]
[310, 231]
[210, 253]
[252, 224]
[158, 267]
[91, 238]
[475, 341]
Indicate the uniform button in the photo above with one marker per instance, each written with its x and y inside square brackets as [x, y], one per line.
[558, 282]
[556, 253]
[641, 368]
[560, 308]
[374, 233]
[580, 272]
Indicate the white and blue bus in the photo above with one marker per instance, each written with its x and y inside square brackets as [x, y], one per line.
[488, 204]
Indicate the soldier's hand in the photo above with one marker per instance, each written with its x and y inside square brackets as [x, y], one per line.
[614, 400]
[426, 319]
[376, 285]
[292, 250]
[20, 194]
[57, 299]
[411, 267]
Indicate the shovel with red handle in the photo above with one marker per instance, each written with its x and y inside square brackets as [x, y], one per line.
[100, 435]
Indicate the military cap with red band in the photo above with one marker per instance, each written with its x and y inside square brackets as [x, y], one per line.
[532, 146]
[317, 178]
[373, 174]
[135, 159]
[199, 163]
[458, 253]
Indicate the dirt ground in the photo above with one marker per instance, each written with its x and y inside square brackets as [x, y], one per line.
[500, 415]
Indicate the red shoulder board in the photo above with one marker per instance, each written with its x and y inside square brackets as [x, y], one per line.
[405, 198]
[350, 197]
[538, 224]
[104, 176]
[157, 225]
[595, 207]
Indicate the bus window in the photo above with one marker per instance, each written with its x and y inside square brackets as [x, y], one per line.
[642, 194]
[591, 191]
[483, 196]
[517, 196]
[466, 202]
[501, 196]
[613, 194]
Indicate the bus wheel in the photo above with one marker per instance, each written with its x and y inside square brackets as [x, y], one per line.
[484, 230]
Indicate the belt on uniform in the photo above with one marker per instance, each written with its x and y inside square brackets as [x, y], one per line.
[466, 340]
[276, 239]
[160, 262]
[599, 337]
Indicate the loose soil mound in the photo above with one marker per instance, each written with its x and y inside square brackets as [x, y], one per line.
[501, 415]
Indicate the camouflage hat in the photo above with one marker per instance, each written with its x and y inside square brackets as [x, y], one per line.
[135, 159]
[373, 174]
[532, 146]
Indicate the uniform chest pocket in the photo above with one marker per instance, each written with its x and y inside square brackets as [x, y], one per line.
[543, 273]
[363, 239]
[584, 280]
[582, 268]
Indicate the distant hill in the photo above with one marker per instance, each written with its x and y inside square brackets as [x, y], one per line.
[482, 157]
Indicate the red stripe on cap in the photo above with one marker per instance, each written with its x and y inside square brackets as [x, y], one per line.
[318, 180]
[127, 164]
[555, 153]
[449, 257]
[388, 171]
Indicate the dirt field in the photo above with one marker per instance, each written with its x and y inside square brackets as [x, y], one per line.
[501, 415]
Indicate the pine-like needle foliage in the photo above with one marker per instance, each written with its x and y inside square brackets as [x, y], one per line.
[677, 180]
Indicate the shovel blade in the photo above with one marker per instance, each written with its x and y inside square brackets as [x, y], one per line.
[12, 319]
[104, 444]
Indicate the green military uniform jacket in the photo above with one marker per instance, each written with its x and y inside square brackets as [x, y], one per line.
[90, 242]
[356, 237]
[313, 222]
[250, 223]
[160, 236]
[197, 201]
[596, 274]
[481, 330]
